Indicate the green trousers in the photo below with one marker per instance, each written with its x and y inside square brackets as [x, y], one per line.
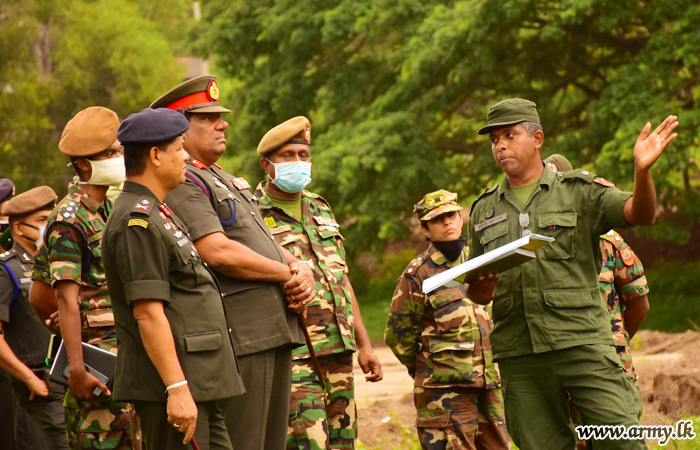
[536, 389]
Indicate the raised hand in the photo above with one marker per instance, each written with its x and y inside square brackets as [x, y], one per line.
[649, 147]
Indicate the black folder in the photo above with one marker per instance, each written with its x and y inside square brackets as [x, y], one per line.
[98, 362]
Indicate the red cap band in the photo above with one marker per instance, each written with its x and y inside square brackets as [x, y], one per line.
[187, 102]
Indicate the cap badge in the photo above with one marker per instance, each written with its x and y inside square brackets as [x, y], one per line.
[307, 135]
[213, 90]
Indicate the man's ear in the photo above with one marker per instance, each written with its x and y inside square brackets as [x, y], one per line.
[265, 164]
[425, 231]
[154, 155]
[538, 137]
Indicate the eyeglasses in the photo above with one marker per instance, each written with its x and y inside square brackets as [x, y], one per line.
[524, 219]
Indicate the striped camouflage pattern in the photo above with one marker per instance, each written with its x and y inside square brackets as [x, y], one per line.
[329, 316]
[621, 281]
[442, 338]
[460, 418]
[312, 424]
[101, 424]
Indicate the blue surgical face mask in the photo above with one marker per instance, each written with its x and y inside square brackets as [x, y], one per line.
[292, 176]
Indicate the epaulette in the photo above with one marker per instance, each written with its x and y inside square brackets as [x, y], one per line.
[417, 262]
[483, 194]
[316, 197]
[216, 165]
[614, 238]
[67, 210]
[198, 164]
[7, 255]
[142, 206]
[577, 174]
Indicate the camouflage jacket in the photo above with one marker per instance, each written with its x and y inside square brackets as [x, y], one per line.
[74, 244]
[621, 281]
[329, 317]
[442, 338]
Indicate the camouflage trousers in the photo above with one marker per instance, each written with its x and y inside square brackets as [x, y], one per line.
[101, 424]
[460, 418]
[313, 425]
[626, 358]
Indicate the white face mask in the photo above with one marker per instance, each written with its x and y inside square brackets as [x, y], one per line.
[107, 172]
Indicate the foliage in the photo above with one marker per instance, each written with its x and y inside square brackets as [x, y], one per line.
[673, 298]
[59, 57]
[396, 90]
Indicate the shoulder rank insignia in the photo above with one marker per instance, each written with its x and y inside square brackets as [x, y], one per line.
[270, 222]
[217, 166]
[198, 164]
[141, 207]
[626, 255]
[240, 183]
[138, 222]
[326, 221]
[604, 182]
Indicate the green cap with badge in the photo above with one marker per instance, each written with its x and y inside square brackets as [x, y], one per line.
[509, 112]
[435, 204]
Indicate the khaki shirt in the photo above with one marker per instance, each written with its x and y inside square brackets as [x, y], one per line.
[554, 301]
[148, 255]
[211, 201]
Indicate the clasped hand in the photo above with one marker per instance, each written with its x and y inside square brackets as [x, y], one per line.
[299, 290]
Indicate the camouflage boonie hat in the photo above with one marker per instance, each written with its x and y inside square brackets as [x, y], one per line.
[436, 203]
[558, 163]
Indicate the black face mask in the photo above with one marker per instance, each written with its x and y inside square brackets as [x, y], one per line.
[451, 249]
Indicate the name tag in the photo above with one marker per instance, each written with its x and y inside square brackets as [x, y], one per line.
[182, 242]
[25, 280]
[282, 229]
[491, 221]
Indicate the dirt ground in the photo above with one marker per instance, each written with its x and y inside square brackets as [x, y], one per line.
[669, 384]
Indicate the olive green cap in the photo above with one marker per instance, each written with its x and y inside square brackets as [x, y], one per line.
[509, 112]
[196, 95]
[558, 163]
[435, 204]
[37, 199]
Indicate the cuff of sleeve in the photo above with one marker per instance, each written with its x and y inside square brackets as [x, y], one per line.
[634, 290]
[147, 290]
[4, 313]
[203, 227]
[63, 271]
[615, 208]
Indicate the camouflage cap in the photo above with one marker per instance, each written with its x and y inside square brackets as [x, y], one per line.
[296, 130]
[37, 199]
[196, 95]
[511, 111]
[435, 204]
[558, 163]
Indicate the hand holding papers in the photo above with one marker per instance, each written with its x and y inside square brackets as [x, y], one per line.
[499, 260]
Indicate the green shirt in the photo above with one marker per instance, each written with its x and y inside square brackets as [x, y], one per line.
[292, 205]
[524, 192]
[554, 301]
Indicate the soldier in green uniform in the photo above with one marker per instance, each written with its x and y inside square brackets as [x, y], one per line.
[624, 288]
[551, 333]
[73, 241]
[442, 339]
[303, 223]
[24, 341]
[227, 228]
[176, 356]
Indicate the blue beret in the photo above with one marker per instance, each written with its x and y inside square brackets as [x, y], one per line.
[152, 126]
[7, 189]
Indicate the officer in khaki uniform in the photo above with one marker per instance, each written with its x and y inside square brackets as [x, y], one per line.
[228, 229]
[25, 340]
[442, 339]
[303, 223]
[176, 357]
[73, 242]
[624, 288]
[551, 334]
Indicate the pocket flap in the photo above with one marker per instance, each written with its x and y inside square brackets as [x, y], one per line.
[566, 298]
[446, 296]
[433, 418]
[203, 342]
[488, 234]
[441, 346]
[100, 317]
[561, 220]
[501, 307]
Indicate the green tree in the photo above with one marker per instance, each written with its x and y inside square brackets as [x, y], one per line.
[59, 57]
[396, 90]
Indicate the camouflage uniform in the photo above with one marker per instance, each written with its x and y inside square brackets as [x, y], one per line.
[312, 424]
[442, 339]
[621, 281]
[73, 237]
